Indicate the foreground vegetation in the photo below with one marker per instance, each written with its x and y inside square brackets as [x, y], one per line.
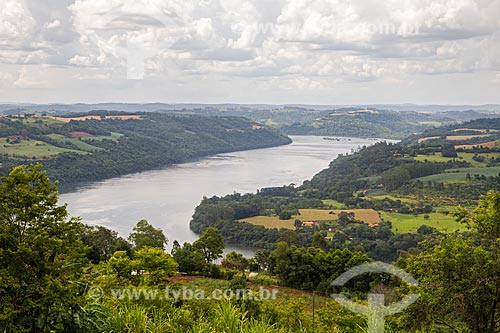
[59, 275]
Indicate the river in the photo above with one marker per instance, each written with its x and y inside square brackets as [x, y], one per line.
[167, 197]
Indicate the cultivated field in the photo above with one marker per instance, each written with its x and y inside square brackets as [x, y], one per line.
[465, 137]
[402, 223]
[67, 120]
[471, 130]
[467, 157]
[32, 149]
[365, 215]
[428, 138]
[79, 144]
[459, 175]
[491, 144]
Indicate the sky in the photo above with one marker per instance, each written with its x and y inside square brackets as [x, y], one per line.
[244, 51]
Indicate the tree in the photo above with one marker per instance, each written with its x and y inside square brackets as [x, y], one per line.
[263, 259]
[211, 244]
[485, 219]
[103, 242]
[146, 235]
[459, 287]
[121, 264]
[41, 256]
[285, 215]
[395, 178]
[235, 260]
[190, 259]
[156, 262]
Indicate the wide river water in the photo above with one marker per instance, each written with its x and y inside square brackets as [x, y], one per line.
[167, 197]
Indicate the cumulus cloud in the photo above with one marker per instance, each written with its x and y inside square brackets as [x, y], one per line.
[29, 78]
[301, 44]
[53, 25]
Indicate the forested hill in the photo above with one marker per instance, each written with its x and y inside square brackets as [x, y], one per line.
[99, 145]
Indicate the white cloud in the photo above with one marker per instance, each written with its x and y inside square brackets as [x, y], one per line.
[15, 22]
[29, 78]
[497, 78]
[5, 77]
[298, 43]
[53, 25]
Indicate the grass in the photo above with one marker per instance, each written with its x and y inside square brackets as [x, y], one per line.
[114, 136]
[32, 149]
[382, 197]
[459, 175]
[80, 144]
[334, 204]
[270, 222]
[403, 223]
[376, 192]
[467, 157]
[38, 120]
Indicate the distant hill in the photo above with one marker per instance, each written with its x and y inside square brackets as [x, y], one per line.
[99, 145]
[151, 107]
[388, 121]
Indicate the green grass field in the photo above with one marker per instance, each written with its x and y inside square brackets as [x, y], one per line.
[114, 136]
[78, 143]
[467, 157]
[334, 204]
[460, 175]
[38, 120]
[376, 192]
[402, 223]
[32, 149]
[386, 196]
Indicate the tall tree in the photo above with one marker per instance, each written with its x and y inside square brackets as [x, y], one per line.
[460, 277]
[41, 256]
[211, 244]
[158, 263]
[145, 234]
[190, 259]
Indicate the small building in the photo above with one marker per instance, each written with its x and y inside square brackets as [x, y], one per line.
[309, 224]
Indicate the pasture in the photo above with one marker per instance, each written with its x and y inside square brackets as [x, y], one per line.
[32, 149]
[459, 175]
[79, 144]
[467, 157]
[365, 215]
[67, 120]
[403, 223]
[114, 137]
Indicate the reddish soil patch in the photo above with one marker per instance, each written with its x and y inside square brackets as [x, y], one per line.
[490, 144]
[184, 278]
[78, 135]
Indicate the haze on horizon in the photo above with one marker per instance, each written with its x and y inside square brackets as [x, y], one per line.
[242, 51]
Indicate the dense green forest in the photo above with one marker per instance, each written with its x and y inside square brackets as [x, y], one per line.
[99, 145]
[365, 122]
[349, 122]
